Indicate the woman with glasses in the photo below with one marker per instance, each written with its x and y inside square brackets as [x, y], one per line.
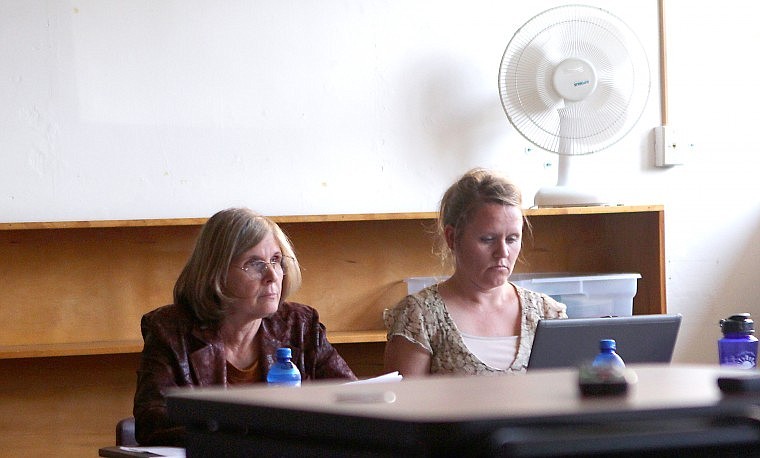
[228, 318]
[476, 322]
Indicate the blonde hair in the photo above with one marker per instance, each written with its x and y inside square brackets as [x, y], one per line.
[201, 285]
[460, 201]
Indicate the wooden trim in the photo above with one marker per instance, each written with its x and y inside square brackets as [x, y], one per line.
[341, 337]
[601, 209]
[36, 225]
[662, 274]
[353, 217]
[663, 64]
[135, 346]
[71, 349]
[101, 224]
[201, 221]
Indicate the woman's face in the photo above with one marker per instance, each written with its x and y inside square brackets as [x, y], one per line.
[258, 295]
[488, 248]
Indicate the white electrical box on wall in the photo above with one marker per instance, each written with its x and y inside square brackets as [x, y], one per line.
[667, 149]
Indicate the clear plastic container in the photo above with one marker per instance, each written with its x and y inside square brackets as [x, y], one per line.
[414, 284]
[586, 295]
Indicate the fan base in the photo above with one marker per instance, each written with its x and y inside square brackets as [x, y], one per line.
[565, 196]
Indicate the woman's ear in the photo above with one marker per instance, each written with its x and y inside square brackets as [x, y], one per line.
[449, 233]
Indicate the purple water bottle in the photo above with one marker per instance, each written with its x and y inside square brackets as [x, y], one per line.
[738, 347]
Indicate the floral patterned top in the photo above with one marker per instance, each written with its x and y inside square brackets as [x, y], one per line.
[422, 318]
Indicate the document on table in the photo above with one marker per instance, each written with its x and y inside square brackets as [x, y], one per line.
[389, 377]
[173, 452]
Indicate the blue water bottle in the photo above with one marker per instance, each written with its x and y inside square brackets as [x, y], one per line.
[283, 372]
[738, 347]
[608, 356]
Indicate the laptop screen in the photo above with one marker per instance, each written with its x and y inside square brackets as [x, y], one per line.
[575, 341]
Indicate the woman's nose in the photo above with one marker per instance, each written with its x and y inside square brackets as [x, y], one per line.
[270, 274]
[502, 249]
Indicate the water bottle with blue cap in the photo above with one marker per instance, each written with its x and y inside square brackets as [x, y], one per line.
[284, 372]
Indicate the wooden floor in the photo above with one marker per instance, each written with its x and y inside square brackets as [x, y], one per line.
[69, 406]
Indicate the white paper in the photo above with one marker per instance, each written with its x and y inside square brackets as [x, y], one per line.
[173, 452]
[389, 377]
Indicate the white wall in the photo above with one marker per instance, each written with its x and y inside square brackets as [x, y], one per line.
[713, 202]
[142, 109]
[148, 109]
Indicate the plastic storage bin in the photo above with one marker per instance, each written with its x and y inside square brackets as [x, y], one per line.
[586, 295]
[414, 284]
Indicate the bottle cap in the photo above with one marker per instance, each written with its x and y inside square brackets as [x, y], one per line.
[284, 352]
[740, 323]
[607, 344]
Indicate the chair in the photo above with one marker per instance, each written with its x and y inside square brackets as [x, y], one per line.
[125, 432]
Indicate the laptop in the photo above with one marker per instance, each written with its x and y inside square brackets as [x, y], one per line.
[575, 341]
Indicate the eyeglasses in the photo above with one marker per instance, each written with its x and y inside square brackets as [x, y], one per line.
[258, 268]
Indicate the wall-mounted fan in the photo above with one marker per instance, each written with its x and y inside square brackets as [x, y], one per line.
[573, 81]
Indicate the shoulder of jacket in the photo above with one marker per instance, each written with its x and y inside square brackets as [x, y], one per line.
[294, 311]
[169, 316]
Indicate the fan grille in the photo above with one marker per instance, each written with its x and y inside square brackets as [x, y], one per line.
[536, 109]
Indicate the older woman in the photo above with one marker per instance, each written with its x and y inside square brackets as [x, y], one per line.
[228, 318]
[476, 322]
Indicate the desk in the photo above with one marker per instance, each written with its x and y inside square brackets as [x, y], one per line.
[670, 408]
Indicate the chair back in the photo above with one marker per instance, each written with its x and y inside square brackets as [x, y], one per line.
[125, 432]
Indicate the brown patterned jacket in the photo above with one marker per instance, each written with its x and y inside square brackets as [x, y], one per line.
[179, 351]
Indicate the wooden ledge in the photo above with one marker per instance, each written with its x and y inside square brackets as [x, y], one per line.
[200, 221]
[313, 218]
[344, 337]
[70, 349]
[136, 346]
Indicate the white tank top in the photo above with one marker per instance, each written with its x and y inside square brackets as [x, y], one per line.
[497, 352]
